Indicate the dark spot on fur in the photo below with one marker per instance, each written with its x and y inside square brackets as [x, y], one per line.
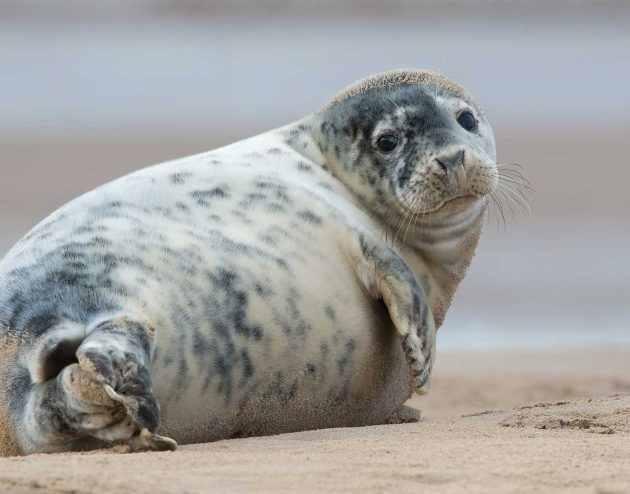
[201, 345]
[346, 357]
[267, 238]
[180, 177]
[304, 167]
[309, 217]
[274, 207]
[248, 368]
[101, 241]
[282, 264]
[203, 197]
[263, 291]
[330, 312]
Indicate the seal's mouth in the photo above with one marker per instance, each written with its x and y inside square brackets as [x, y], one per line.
[455, 204]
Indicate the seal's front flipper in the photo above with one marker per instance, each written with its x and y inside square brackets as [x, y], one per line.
[105, 394]
[386, 276]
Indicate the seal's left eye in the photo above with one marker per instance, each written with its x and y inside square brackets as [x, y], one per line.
[468, 121]
[388, 142]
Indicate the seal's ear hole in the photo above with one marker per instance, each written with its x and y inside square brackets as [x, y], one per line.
[61, 355]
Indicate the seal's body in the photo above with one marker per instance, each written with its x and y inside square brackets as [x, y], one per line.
[289, 281]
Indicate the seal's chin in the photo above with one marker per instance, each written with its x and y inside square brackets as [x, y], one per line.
[456, 204]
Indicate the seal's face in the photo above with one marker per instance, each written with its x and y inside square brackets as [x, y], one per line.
[421, 147]
[434, 149]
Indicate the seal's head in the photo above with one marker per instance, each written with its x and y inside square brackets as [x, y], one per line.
[412, 141]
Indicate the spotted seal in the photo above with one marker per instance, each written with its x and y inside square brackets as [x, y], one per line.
[293, 280]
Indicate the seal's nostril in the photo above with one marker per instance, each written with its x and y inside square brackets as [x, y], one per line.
[442, 166]
[457, 158]
[452, 160]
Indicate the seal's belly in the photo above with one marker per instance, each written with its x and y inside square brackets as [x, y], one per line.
[254, 347]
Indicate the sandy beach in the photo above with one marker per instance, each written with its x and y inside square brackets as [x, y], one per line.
[496, 421]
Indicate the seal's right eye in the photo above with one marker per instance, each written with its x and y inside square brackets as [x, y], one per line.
[388, 142]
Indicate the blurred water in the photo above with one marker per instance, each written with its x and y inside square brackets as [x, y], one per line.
[545, 282]
[480, 333]
[227, 72]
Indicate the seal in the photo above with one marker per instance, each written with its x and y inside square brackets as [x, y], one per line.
[293, 280]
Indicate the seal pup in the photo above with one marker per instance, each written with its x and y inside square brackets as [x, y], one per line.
[289, 281]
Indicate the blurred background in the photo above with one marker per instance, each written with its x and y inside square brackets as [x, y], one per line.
[92, 90]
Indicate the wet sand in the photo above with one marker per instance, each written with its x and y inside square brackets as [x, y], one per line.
[547, 436]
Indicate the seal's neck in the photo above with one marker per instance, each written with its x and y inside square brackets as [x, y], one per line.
[443, 249]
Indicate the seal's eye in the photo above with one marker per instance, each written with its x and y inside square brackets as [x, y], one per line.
[388, 142]
[468, 121]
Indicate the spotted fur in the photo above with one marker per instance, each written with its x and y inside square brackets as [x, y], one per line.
[238, 292]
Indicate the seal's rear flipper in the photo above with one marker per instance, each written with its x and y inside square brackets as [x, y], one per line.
[102, 390]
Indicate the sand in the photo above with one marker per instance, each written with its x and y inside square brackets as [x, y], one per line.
[547, 436]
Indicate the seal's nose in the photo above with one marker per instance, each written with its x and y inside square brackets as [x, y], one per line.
[448, 161]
